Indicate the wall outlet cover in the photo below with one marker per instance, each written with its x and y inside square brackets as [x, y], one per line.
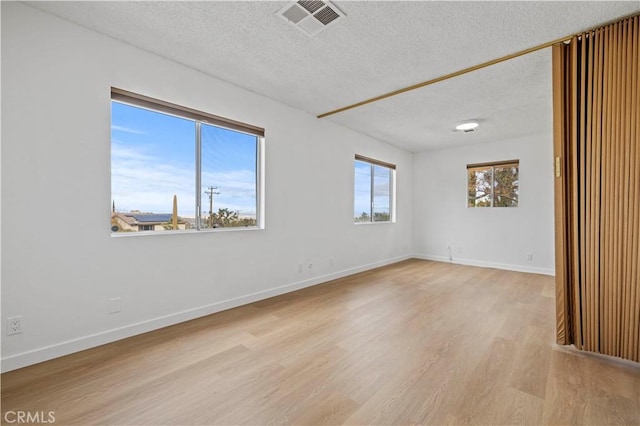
[14, 325]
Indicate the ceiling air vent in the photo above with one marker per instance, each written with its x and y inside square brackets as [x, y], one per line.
[311, 16]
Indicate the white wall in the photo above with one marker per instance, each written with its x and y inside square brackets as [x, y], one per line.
[493, 237]
[59, 263]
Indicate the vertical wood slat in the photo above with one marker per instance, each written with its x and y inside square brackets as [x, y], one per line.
[596, 171]
[562, 301]
[606, 332]
[637, 183]
[624, 183]
[625, 137]
[598, 195]
[610, 199]
[624, 170]
[605, 255]
[571, 281]
[604, 157]
[591, 254]
[590, 186]
[634, 198]
[618, 142]
[604, 250]
[617, 139]
[611, 204]
[581, 187]
[636, 233]
[573, 156]
[620, 178]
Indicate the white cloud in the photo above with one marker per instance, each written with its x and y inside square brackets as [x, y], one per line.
[146, 182]
[141, 181]
[127, 130]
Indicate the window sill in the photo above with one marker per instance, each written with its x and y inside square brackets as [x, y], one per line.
[184, 231]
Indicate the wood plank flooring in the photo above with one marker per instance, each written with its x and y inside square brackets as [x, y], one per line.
[417, 342]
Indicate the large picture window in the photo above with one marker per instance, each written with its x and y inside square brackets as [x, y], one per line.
[373, 190]
[493, 184]
[173, 168]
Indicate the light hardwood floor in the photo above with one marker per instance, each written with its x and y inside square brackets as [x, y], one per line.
[417, 342]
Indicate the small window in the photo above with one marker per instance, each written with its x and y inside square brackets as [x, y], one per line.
[174, 168]
[493, 184]
[373, 190]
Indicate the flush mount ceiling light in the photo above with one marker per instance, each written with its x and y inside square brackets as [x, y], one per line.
[467, 126]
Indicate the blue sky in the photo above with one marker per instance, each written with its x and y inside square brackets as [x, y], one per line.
[153, 158]
[362, 190]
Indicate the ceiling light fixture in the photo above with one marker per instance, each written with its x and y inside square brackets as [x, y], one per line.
[467, 126]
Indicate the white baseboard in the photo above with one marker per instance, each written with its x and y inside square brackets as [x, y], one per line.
[46, 353]
[483, 264]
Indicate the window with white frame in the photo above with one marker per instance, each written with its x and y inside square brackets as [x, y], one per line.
[175, 168]
[374, 190]
[493, 184]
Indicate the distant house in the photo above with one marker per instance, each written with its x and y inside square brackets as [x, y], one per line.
[137, 221]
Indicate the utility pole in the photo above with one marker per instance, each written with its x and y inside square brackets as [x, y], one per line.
[211, 191]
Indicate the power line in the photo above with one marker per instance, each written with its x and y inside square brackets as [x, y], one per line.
[211, 191]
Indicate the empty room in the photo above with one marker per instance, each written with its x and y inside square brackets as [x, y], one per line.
[314, 212]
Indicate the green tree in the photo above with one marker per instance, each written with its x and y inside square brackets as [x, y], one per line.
[499, 183]
[505, 186]
[225, 218]
[364, 217]
[168, 226]
[381, 217]
[479, 187]
[247, 221]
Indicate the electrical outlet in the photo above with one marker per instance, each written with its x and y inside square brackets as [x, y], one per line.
[115, 305]
[530, 257]
[331, 261]
[14, 325]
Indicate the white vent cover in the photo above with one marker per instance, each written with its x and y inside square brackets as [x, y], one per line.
[311, 16]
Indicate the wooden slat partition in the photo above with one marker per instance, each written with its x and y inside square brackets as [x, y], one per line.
[635, 188]
[597, 138]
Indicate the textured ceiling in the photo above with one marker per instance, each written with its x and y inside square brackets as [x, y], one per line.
[378, 47]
